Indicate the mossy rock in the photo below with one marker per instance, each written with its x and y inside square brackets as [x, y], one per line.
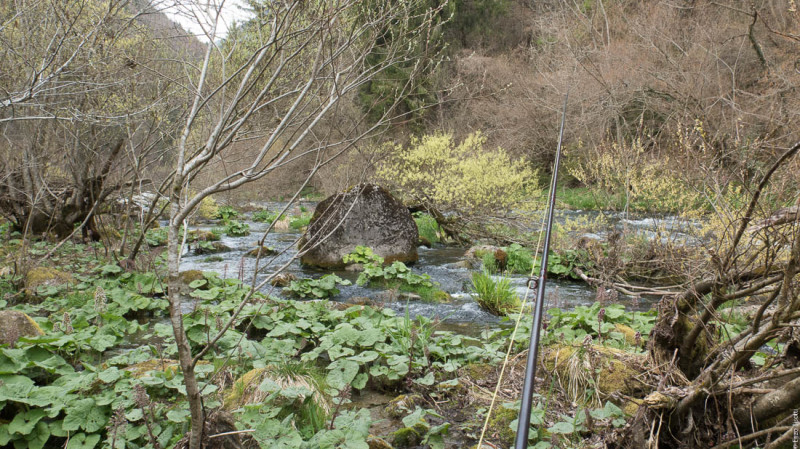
[441, 296]
[263, 251]
[628, 332]
[611, 372]
[630, 408]
[500, 426]
[215, 248]
[467, 264]
[402, 405]
[46, 276]
[14, 325]
[378, 443]
[237, 395]
[409, 437]
[418, 292]
[283, 280]
[199, 235]
[478, 373]
[477, 251]
[423, 241]
[361, 301]
[189, 276]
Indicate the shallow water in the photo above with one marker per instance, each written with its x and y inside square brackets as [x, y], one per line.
[441, 263]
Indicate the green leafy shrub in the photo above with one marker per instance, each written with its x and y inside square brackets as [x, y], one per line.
[324, 287]
[397, 275]
[573, 325]
[226, 213]
[396, 271]
[266, 216]
[497, 297]
[236, 228]
[564, 263]
[362, 255]
[520, 259]
[156, 237]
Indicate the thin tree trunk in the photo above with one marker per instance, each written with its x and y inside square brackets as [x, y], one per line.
[176, 317]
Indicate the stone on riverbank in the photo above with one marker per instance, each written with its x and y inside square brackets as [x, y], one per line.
[369, 216]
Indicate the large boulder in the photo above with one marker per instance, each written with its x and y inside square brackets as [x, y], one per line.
[365, 215]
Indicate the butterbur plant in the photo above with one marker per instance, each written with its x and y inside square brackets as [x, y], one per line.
[225, 213]
[67, 323]
[100, 300]
[324, 287]
[142, 400]
[236, 228]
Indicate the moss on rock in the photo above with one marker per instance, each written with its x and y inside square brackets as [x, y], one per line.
[402, 405]
[500, 426]
[609, 371]
[46, 276]
[478, 372]
[212, 248]
[410, 437]
[627, 331]
[378, 443]
[188, 276]
[199, 235]
[14, 325]
[263, 251]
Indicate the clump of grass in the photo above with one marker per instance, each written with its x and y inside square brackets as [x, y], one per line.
[497, 297]
[589, 199]
[489, 262]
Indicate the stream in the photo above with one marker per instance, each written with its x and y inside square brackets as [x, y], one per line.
[442, 262]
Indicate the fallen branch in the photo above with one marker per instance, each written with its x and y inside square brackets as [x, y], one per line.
[624, 288]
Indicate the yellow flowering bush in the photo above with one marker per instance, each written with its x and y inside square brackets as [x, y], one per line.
[462, 177]
[635, 179]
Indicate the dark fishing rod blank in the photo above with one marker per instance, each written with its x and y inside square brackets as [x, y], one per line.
[524, 421]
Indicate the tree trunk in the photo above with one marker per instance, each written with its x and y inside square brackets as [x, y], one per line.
[176, 317]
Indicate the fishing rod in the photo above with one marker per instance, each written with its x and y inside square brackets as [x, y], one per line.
[524, 421]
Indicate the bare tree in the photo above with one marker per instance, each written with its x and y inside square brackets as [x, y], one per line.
[282, 83]
[707, 386]
[77, 100]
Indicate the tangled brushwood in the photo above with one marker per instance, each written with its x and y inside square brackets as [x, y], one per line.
[724, 353]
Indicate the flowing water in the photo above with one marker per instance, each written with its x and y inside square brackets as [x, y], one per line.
[443, 263]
